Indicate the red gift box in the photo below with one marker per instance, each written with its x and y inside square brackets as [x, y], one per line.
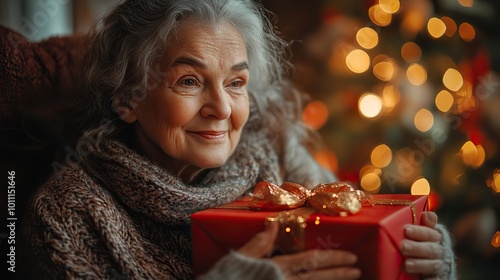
[373, 234]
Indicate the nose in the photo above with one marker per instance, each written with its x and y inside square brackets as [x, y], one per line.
[216, 103]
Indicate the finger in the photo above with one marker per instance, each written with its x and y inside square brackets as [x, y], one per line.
[341, 273]
[430, 268]
[429, 219]
[422, 233]
[314, 259]
[262, 243]
[427, 250]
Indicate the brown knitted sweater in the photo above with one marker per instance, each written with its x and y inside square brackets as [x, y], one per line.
[121, 216]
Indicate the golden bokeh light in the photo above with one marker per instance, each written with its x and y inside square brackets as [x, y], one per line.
[469, 153]
[315, 114]
[481, 155]
[466, 3]
[367, 38]
[436, 27]
[370, 182]
[384, 70]
[421, 187]
[451, 26]
[370, 105]
[444, 100]
[411, 52]
[358, 61]
[369, 169]
[464, 92]
[467, 32]
[327, 159]
[452, 79]
[390, 97]
[381, 156]
[413, 22]
[380, 58]
[465, 100]
[379, 16]
[473, 155]
[416, 74]
[423, 120]
[495, 240]
[389, 6]
[495, 182]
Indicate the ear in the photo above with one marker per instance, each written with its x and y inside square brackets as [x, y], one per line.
[125, 110]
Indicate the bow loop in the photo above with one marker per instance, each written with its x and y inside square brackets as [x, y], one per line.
[270, 197]
[334, 198]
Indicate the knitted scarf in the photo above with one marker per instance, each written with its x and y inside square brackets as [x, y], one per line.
[120, 216]
[150, 190]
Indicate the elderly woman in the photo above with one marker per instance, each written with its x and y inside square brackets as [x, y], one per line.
[193, 111]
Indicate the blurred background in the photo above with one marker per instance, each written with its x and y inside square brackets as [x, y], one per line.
[405, 94]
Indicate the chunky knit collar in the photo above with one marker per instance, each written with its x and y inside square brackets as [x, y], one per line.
[152, 191]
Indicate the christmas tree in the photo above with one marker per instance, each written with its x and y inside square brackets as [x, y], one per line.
[406, 96]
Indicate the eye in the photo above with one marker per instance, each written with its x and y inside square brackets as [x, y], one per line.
[237, 84]
[190, 82]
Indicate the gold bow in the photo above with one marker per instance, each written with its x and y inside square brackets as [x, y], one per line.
[336, 198]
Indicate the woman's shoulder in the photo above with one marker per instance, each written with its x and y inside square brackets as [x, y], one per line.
[70, 188]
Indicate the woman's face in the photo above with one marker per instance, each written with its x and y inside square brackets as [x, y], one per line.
[197, 114]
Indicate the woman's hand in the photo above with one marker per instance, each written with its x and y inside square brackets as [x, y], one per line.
[422, 248]
[312, 264]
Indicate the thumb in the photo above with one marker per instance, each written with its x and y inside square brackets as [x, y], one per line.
[262, 244]
[429, 219]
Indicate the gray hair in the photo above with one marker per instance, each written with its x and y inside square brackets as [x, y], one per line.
[130, 39]
[135, 33]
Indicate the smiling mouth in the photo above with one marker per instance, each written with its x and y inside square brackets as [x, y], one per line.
[210, 134]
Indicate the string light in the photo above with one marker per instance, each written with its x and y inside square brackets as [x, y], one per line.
[381, 156]
[436, 27]
[370, 182]
[452, 79]
[389, 6]
[384, 70]
[495, 240]
[390, 97]
[370, 105]
[472, 155]
[451, 26]
[416, 74]
[411, 52]
[358, 61]
[315, 114]
[467, 32]
[367, 38]
[420, 187]
[379, 16]
[369, 169]
[466, 3]
[495, 181]
[444, 101]
[423, 120]
[481, 155]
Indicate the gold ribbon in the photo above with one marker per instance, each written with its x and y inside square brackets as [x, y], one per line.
[292, 199]
[334, 199]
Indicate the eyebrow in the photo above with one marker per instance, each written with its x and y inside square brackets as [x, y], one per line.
[197, 63]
